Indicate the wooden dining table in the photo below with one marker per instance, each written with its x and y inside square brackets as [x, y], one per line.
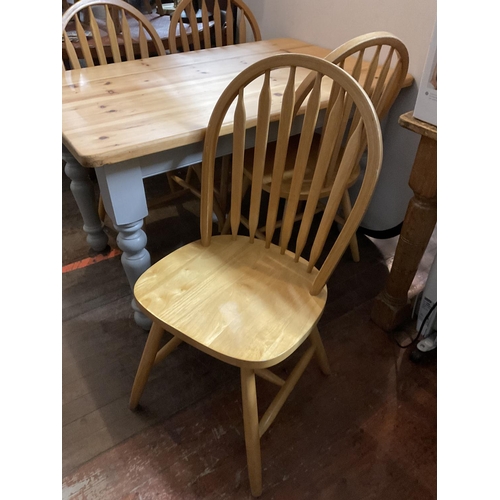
[136, 119]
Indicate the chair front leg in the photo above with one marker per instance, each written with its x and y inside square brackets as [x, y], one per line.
[146, 363]
[251, 425]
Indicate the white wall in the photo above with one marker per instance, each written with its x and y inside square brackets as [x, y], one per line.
[330, 23]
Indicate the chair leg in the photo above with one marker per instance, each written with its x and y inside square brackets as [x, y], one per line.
[251, 425]
[101, 210]
[189, 174]
[320, 351]
[224, 183]
[146, 363]
[221, 216]
[171, 183]
[353, 244]
[159, 8]
[226, 229]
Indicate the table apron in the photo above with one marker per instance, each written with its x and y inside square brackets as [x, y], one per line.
[121, 184]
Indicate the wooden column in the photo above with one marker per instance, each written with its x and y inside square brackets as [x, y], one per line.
[392, 307]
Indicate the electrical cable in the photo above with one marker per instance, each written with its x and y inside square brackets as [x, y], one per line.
[414, 341]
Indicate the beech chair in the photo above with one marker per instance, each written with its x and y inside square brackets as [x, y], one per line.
[211, 26]
[101, 41]
[216, 23]
[246, 301]
[379, 62]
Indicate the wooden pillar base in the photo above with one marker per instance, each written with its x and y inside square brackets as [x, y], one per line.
[388, 313]
[392, 307]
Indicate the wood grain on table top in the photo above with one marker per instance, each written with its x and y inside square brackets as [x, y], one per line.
[123, 111]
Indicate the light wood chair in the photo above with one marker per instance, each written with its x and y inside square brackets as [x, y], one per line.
[192, 29]
[215, 23]
[211, 26]
[379, 62]
[102, 41]
[243, 300]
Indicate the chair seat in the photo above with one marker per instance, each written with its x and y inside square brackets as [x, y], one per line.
[293, 147]
[240, 302]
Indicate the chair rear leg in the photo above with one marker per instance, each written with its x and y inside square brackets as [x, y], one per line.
[346, 209]
[221, 216]
[320, 351]
[226, 229]
[101, 210]
[251, 425]
[224, 183]
[146, 363]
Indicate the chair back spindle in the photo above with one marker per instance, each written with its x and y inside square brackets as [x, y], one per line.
[342, 97]
[379, 49]
[379, 62]
[285, 125]
[213, 27]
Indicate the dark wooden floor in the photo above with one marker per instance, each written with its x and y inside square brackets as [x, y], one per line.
[368, 431]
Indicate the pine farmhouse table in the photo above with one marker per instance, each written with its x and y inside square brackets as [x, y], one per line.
[135, 119]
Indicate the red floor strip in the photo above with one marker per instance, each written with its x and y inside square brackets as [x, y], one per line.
[90, 260]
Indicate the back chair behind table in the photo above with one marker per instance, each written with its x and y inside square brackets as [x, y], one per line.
[203, 24]
[379, 62]
[120, 33]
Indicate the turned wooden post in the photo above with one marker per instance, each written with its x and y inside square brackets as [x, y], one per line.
[392, 307]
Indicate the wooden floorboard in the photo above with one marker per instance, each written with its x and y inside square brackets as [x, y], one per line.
[368, 431]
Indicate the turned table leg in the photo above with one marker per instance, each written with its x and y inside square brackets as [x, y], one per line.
[135, 258]
[122, 192]
[83, 192]
[392, 307]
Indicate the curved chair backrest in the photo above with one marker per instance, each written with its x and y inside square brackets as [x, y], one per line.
[334, 89]
[206, 29]
[379, 49]
[378, 61]
[123, 34]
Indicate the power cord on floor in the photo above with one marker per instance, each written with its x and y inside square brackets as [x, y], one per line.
[417, 338]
